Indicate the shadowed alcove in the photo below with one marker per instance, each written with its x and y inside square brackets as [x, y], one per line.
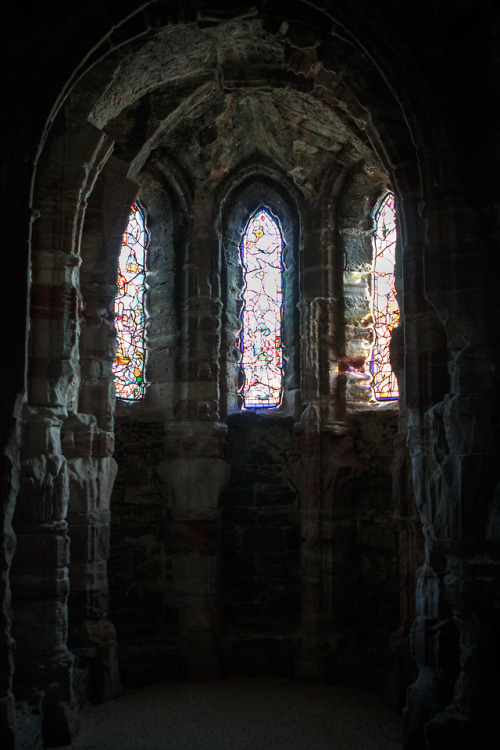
[333, 539]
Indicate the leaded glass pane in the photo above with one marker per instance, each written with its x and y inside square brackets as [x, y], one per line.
[262, 353]
[128, 367]
[385, 306]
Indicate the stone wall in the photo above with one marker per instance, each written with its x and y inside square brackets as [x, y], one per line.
[140, 565]
[246, 558]
[260, 590]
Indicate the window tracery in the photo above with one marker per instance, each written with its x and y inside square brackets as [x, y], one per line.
[385, 309]
[261, 335]
[128, 367]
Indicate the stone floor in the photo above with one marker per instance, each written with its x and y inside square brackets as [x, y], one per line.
[237, 714]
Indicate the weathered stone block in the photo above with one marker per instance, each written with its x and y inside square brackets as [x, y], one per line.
[97, 398]
[90, 483]
[44, 489]
[78, 434]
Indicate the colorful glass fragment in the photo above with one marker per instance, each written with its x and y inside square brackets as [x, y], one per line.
[261, 344]
[128, 367]
[385, 308]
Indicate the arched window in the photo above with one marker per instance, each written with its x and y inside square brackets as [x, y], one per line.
[128, 367]
[260, 261]
[385, 310]
[261, 338]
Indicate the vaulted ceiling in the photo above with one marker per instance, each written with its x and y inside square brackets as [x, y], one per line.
[211, 98]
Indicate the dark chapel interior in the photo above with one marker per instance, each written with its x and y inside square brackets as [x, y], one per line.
[336, 538]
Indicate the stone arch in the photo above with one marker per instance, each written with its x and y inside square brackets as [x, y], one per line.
[131, 153]
[242, 194]
[40, 519]
[311, 54]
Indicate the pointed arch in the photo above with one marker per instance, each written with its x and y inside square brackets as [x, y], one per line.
[262, 296]
[241, 204]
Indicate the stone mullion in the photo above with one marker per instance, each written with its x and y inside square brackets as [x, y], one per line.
[327, 314]
[330, 335]
[318, 307]
[200, 321]
[200, 379]
[309, 337]
[319, 356]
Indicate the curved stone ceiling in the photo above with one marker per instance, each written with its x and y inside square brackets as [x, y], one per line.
[215, 97]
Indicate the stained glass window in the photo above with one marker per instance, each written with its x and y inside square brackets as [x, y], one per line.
[385, 307]
[262, 351]
[128, 367]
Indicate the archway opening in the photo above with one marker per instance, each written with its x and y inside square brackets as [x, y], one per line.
[186, 139]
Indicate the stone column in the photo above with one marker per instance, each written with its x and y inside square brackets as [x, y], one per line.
[92, 636]
[40, 580]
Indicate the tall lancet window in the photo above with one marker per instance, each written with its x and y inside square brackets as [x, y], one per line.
[384, 304]
[261, 344]
[128, 367]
